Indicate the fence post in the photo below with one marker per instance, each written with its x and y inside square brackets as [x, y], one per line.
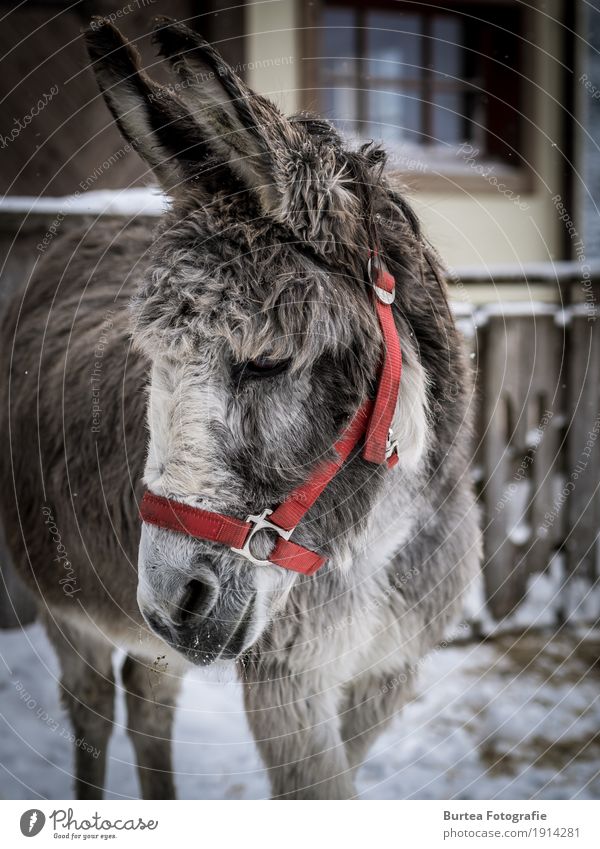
[583, 442]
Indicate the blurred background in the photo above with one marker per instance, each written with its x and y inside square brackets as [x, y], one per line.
[490, 112]
[460, 92]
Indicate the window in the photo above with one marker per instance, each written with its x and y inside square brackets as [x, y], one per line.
[415, 73]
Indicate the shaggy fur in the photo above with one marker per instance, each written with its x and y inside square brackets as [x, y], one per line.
[263, 254]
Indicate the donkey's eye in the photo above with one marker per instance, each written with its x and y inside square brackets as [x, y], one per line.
[260, 367]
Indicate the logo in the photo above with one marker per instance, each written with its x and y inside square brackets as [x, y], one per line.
[32, 822]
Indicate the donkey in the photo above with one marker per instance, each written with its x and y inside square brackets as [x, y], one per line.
[243, 337]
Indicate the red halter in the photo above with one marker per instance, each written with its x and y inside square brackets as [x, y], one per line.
[372, 420]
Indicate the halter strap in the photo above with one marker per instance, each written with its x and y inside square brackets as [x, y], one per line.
[379, 435]
[372, 421]
[216, 527]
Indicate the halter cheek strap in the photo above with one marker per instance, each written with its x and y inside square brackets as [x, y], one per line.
[379, 432]
[372, 421]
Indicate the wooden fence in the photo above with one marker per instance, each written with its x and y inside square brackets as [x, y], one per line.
[535, 459]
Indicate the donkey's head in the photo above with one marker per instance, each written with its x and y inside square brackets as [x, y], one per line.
[259, 326]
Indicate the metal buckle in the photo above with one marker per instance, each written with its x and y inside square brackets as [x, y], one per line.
[383, 296]
[259, 524]
[391, 445]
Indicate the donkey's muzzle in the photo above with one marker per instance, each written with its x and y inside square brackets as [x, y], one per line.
[200, 628]
[203, 607]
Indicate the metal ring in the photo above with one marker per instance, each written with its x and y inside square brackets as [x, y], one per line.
[384, 296]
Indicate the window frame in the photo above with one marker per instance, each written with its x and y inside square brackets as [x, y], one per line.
[517, 176]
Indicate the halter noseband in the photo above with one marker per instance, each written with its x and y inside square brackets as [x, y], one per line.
[372, 420]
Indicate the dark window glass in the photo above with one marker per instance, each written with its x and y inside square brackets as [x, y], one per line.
[394, 46]
[447, 46]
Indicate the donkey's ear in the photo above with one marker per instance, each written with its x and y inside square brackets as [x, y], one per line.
[242, 127]
[154, 122]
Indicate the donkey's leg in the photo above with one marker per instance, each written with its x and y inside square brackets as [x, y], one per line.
[88, 696]
[151, 695]
[370, 703]
[296, 727]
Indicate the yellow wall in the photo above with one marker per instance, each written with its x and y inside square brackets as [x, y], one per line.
[469, 227]
[272, 51]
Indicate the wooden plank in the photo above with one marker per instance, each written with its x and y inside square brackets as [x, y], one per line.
[541, 393]
[519, 389]
[498, 390]
[583, 451]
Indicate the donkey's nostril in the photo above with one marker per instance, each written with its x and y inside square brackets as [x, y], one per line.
[195, 602]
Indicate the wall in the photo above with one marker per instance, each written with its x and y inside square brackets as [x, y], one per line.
[474, 224]
[73, 139]
[272, 51]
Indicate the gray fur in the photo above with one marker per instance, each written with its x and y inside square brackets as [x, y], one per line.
[263, 253]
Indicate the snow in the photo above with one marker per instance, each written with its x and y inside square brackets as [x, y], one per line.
[470, 317]
[551, 597]
[512, 718]
[518, 529]
[543, 598]
[520, 533]
[586, 309]
[581, 599]
[147, 201]
[533, 437]
[513, 309]
[548, 272]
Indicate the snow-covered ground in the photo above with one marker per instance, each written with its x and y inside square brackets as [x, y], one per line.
[516, 718]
